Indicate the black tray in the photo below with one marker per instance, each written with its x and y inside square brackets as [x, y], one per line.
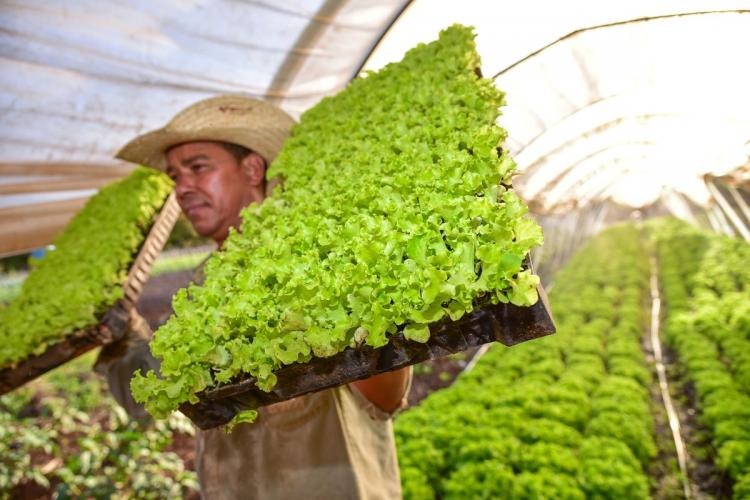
[113, 323]
[504, 323]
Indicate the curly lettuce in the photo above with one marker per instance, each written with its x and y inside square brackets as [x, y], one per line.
[397, 211]
[74, 284]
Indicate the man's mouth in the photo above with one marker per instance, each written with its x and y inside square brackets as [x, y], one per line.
[193, 208]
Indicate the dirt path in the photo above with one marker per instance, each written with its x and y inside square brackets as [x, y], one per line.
[666, 398]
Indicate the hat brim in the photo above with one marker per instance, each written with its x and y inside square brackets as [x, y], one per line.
[150, 148]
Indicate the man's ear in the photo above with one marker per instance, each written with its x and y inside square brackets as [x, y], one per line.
[254, 169]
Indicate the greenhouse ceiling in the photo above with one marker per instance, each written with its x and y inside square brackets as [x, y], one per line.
[633, 102]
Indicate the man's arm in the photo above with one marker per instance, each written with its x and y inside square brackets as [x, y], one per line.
[118, 361]
[387, 390]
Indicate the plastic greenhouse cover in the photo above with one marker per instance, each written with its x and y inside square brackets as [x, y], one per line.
[626, 111]
[636, 107]
[79, 79]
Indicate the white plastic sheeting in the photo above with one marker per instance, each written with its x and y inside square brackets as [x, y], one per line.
[80, 78]
[601, 106]
[644, 108]
[632, 102]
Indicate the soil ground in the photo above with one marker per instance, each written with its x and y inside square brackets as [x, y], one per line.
[707, 481]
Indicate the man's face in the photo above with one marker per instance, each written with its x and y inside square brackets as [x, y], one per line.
[211, 187]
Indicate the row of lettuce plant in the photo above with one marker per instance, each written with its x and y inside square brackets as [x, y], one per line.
[74, 284]
[562, 417]
[706, 285]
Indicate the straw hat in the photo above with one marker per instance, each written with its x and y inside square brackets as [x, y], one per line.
[240, 120]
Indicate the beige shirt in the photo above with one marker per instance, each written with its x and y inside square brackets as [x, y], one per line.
[327, 445]
[334, 444]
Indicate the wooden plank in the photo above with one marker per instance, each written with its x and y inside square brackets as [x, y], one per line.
[71, 183]
[67, 169]
[39, 209]
[24, 228]
[157, 237]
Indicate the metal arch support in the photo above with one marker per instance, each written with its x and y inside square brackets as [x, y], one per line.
[596, 129]
[591, 193]
[572, 35]
[678, 205]
[726, 228]
[278, 90]
[609, 119]
[396, 16]
[577, 179]
[575, 33]
[569, 171]
[713, 222]
[727, 210]
[740, 202]
[586, 177]
[543, 165]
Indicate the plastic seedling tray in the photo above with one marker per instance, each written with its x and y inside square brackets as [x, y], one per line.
[113, 323]
[504, 323]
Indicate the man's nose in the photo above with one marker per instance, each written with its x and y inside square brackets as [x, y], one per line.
[184, 185]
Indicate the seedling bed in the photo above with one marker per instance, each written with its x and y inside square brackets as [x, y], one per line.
[113, 323]
[504, 323]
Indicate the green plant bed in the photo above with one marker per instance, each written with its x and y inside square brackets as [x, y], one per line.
[73, 285]
[63, 436]
[566, 416]
[706, 283]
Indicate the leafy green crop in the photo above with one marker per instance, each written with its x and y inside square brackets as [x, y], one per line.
[396, 211]
[83, 276]
[567, 416]
[65, 434]
[706, 282]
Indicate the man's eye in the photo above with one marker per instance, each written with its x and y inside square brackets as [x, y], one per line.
[198, 167]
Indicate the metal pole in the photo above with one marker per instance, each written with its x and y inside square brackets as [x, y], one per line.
[723, 222]
[714, 223]
[728, 210]
[740, 202]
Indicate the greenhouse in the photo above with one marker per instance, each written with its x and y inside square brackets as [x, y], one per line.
[346, 249]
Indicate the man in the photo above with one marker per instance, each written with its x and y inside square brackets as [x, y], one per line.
[333, 444]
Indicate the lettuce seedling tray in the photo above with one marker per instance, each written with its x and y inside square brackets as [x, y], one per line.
[504, 323]
[113, 323]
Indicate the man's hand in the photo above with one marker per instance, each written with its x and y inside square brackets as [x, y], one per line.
[387, 390]
[119, 360]
[138, 332]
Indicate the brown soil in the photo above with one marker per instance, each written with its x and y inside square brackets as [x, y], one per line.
[184, 446]
[707, 480]
[30, 491]
[436, 374]
[665, 468]
[155, 302]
